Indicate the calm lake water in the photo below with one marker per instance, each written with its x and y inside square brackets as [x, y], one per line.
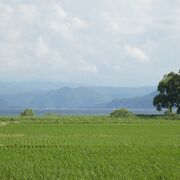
[15, 112]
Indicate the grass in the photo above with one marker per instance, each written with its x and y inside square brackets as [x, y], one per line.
[89, 148]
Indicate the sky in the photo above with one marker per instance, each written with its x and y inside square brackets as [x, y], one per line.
[94, 42]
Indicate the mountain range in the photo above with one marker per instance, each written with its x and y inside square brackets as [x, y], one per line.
[55, 95]
[143, 102]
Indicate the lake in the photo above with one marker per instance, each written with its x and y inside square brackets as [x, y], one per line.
[15, 112]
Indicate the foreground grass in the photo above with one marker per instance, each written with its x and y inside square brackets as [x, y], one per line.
[89, 148]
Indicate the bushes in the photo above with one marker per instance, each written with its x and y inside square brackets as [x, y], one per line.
[168, 113]
[52, 115]
[27, 113]
[171, 115]
[121, 113]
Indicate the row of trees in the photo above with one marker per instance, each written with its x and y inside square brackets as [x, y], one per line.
[169, 93]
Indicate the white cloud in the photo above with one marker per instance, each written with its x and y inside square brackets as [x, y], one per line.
[87, 67]
[70, 39]
[137, 54]
[79, 23]
[42, 47]
[28, 12]
[6, 16]
[65, 24]
[129, 17]
[60, 12]
[69, 28]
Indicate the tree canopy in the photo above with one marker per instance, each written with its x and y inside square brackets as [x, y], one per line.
[27, 112]
[121, 113]
[169, 93]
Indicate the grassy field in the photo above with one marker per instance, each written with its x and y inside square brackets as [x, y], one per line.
[89, 148]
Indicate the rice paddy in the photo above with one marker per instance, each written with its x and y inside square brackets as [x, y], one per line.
[89, 148]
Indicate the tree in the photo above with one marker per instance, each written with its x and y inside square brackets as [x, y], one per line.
[27, 112]
[169, 93]
[121, 113]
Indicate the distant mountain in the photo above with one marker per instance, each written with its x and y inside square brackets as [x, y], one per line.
[143, 102]
[22, 100]
[13, 88]
[3, 103]
[53, 95]
[124, 92]
[80, 97]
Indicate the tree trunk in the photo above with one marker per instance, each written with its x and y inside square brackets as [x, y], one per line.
[170, 110]
[178, 110]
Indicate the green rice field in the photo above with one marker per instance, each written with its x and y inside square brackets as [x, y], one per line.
[89, 148]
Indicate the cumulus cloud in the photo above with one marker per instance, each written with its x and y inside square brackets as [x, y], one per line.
[69, 28]
[137, 54]
[60, 12]
[65, 24]
[28, 12]
[42, 47]
[76, 40]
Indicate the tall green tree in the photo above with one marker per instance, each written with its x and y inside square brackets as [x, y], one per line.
[169, 93]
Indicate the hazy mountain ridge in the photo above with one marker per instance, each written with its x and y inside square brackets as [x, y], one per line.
[50, 96]
[124, 92]
[144, 102]
[13, 88]
[3, 103]
[69, 98]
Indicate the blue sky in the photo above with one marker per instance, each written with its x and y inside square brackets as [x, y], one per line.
[95, 42]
